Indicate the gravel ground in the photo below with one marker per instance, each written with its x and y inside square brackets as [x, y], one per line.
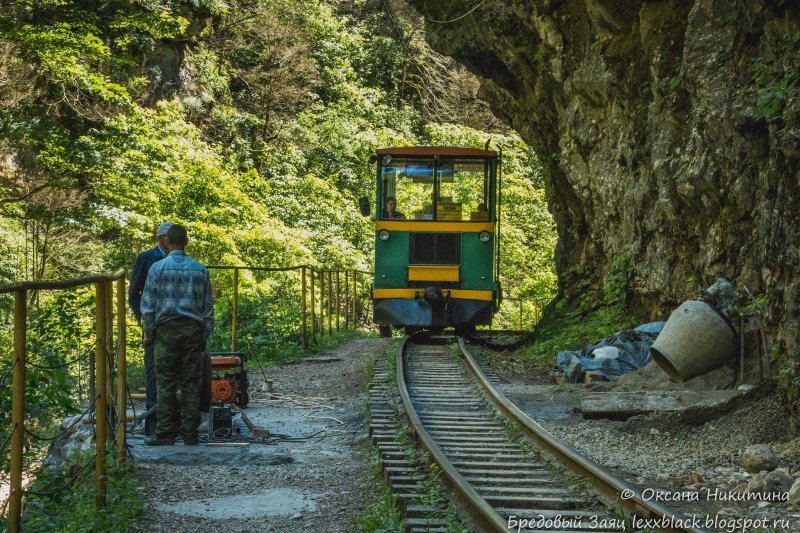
[695, 451]
[312, 485]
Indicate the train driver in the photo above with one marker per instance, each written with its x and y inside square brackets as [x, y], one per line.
[391, 211]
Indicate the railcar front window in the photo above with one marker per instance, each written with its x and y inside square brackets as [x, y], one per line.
[462, 190]
[409, 183]
[428, 189]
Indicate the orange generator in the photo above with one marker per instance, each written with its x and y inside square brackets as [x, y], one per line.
[229, 383]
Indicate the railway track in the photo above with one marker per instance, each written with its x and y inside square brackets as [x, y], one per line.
[505, 480]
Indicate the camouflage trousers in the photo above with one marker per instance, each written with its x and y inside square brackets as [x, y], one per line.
[179, 349]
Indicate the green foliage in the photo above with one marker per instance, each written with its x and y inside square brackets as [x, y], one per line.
[572, 329]
[74, 510]
[777, 79]
[262, 155]
[383, 516]
[615, 284]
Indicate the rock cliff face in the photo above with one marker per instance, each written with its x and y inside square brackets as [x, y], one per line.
[671, 134]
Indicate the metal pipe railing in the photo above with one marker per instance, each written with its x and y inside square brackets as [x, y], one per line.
[313, 314]
[100, 391]
[104, 313]
[536, 315]
[101, 379]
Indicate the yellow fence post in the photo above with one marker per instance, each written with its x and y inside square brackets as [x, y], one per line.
[329, 281]
[346, 299]
[303, 339]
[18, 410]
[355, 299]
[235, 310]
[312, 302]
[122, 363]
[338, 303]
[109, 359]
[100, 391]
[321, 303]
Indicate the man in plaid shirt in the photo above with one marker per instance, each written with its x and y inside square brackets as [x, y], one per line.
[177, 317]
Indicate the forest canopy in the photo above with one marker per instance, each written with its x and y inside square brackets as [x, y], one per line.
[251, 122]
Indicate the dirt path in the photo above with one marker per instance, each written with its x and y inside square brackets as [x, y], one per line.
[317, 484]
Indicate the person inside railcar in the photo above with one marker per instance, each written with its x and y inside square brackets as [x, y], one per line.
[390, 211]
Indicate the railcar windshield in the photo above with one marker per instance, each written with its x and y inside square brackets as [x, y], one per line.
[444, 189]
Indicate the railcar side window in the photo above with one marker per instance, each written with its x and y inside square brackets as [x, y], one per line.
[428, 189]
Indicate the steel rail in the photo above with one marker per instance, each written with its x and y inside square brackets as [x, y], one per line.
[608, 487]
[481, 507]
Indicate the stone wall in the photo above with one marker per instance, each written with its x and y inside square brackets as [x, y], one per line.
[670, 131]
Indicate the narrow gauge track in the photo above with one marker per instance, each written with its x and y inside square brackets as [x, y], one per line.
[460, 419]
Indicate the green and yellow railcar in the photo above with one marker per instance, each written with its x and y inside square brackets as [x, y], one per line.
[435, 238]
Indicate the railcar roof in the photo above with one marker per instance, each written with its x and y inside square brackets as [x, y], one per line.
[446, 151]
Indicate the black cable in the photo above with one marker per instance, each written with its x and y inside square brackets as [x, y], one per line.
[67, 485]
[62, 365]
[78, 420]
[289, 438]
[8, 439]
[8, 373]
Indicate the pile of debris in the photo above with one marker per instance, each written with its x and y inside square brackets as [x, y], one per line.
[623, 352]
[699, 337]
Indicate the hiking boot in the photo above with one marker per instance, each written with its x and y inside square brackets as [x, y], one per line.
[159, 441]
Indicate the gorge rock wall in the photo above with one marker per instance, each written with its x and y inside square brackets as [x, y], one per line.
[670, 132]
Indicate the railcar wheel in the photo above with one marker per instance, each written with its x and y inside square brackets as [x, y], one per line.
[385, 330]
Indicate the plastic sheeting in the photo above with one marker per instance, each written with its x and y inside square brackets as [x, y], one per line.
[622, 352]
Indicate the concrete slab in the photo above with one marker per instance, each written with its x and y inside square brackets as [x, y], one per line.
[623, 405]
[231, 454]
[274, 502]
[293, 434]
[547, 402]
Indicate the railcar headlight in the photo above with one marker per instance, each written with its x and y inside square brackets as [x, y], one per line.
[383, 235]
[485, 236]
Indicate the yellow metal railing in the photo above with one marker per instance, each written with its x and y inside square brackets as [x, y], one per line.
[333, 304]
[104, 347]
[536, 307]
[324, 294]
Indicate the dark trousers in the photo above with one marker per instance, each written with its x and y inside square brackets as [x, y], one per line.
[179, 349]
[205, 382]
[150, 384]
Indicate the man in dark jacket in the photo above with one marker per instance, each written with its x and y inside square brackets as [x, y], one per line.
[138, 278]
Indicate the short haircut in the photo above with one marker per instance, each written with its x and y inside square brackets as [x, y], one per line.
[177, 235]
